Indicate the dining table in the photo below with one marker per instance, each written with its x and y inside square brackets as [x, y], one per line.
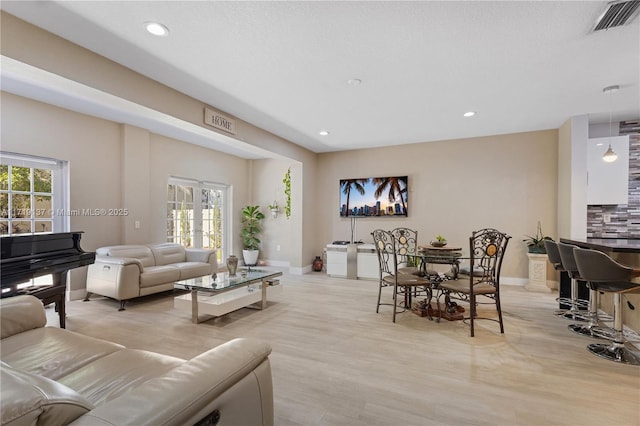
[427, 255]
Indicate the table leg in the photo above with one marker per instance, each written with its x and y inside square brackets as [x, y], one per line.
[263, 303]
[194, 306]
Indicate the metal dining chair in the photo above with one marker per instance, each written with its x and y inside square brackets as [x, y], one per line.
[486, 249]
[404, 286]
[605, 274]
[406, 241]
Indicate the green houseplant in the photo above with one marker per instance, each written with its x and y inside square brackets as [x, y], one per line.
[535, 243]
[274, 208]
[252, 219]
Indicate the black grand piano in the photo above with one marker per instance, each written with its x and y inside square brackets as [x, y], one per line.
[25, 257]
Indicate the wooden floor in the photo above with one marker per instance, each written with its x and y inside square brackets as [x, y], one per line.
[336, 362]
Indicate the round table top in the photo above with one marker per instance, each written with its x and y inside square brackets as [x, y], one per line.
[434, 248]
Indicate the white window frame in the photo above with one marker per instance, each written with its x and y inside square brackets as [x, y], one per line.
[59, 186]
[197, 231]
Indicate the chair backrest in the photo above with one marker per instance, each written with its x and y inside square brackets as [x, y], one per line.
[486, 248]
[553, 254]
[595, 266]
[386, 250]
[406, 245]
[568, 261]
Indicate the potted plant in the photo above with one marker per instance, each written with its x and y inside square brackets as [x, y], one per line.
[274, 209]
[535, 243]
[251, 221]
[440, 241]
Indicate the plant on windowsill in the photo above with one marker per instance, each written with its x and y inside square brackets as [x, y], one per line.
[535, 243]
[252, 218]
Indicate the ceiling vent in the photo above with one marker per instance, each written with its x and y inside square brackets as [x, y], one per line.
[618, 13]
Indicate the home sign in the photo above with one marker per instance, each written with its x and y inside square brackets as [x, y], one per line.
[219, 121]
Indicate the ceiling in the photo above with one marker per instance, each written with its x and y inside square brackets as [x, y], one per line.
[286, 66]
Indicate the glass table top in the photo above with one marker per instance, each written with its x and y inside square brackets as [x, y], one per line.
[223, 281]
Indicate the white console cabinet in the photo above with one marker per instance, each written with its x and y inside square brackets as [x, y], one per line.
[337, 260]
[353, 261]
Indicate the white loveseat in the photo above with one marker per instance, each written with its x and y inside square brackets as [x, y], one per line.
[53, 376]
[128, 271]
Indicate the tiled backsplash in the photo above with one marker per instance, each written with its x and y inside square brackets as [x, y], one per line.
[625, 218]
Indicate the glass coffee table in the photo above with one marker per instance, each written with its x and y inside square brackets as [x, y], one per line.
[219, 295]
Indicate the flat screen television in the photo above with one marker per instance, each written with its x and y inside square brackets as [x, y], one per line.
[374, 197]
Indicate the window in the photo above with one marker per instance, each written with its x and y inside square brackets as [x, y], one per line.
[32, 191]
[197, 214]
[34, 194]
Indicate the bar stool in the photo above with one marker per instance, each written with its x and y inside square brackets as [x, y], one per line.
[551, 247]
[565, 252]
[595, 319]
[605, 274]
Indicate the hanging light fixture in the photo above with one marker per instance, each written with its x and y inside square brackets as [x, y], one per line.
[610, 156]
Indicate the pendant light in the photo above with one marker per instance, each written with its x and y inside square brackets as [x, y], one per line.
[610, 156]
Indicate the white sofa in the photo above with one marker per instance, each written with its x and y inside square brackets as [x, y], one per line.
[128, 271]
[53, 376]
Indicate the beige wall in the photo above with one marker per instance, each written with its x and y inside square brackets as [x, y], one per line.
[508, 182]
[511, 186]
[168, 157]
[122, 166]
[34, 46]
[92, 148]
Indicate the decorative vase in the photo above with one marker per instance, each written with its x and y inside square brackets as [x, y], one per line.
[250, 257]
[317, 264]
[232, 265]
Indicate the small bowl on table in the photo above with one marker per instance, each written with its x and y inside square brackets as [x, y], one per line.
[438, 243]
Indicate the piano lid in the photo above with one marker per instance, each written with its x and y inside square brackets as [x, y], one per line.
[18, 246]
[28, 256]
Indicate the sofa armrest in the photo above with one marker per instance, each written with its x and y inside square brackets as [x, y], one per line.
[124, 261]
[19, 314]
[203, 255]
[115, 277]
[234, 378]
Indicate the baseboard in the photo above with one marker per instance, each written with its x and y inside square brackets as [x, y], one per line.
[514, 281]
[76, 294]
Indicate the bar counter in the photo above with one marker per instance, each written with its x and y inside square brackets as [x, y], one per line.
[615, 245]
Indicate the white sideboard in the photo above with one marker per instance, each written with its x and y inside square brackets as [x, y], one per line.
[353, 261]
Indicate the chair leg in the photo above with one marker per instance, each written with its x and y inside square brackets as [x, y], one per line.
[499, 309]
[472, 311]
[573, 313]
[379, 295]
[588, 329]
[395, 302]
[619, 350]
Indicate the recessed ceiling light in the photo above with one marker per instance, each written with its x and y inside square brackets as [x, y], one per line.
[354, 81]
[323, 133]
[469, 114]
[156, 29]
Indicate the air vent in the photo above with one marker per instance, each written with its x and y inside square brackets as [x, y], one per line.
[618, 13]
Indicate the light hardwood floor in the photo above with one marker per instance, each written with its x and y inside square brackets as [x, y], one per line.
[336, 362]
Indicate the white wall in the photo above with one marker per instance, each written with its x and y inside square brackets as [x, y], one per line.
[572, 178]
